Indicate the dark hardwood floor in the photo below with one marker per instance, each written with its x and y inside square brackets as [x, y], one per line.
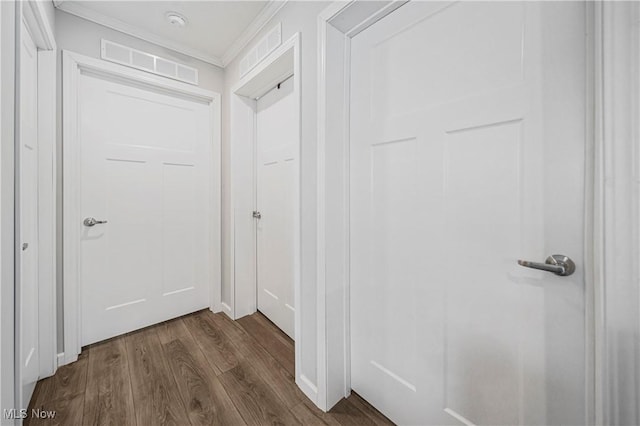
[200, 369]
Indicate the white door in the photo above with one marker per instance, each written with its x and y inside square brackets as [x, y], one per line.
[27, 289]
[276, 162]
[467, 141]
[145, 172]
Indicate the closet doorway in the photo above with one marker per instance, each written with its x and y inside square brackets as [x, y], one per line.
[264, 243]
[276, 164]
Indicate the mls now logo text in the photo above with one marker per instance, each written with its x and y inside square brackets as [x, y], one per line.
[36, 413]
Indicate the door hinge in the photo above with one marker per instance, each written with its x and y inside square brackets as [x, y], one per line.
[257, 215]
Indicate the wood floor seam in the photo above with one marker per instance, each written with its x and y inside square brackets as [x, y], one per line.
[133, 397]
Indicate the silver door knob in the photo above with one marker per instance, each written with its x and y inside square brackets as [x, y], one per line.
[559, 264]
[90, 221]
[257, 215]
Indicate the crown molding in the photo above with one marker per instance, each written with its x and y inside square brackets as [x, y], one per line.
[78, 9]
[258, 23]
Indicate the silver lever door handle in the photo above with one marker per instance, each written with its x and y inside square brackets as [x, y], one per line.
[559, 264]
[90, 221]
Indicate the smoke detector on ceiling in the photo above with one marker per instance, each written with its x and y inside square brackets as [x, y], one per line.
[176, 19]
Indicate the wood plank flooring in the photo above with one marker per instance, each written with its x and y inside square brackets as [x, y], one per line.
[200, 369]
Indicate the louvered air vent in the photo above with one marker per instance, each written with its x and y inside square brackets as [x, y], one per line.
[147, 62]
[267, 44]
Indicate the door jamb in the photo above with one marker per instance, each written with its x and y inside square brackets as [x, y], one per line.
[8, 40]
[337, 24]
[614, 202]
[73, 66]
[33, 16]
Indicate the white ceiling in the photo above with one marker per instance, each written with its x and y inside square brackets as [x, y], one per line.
[215, 32]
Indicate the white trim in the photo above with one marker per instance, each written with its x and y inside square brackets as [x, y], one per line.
[246, 113]
[334, 381]
[226, 309]
[77, 9]
[591, 269]
[8, 41]
[259, 22]
[73, 65]
[296, 40]
[615, 214]
[47, 72]
[60, 360]
[307, 387]
[597, 226]
[215, 206]
[325, 402]
[320, 205]
[375, 17]
[5, 328]
[35, 20]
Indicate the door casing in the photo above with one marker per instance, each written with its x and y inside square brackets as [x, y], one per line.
[73, 65]
[337, 24]
[33, 17]
[613, 206]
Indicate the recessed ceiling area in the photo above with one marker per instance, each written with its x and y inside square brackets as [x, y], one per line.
[214, 31]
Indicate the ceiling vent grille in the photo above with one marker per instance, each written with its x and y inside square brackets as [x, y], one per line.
[267, 44]
[147, 62]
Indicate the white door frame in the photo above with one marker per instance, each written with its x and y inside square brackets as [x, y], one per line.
[33, 16]
[614, 204]
[281, 64]
[74, 65]
[7, 201]
[337, 24]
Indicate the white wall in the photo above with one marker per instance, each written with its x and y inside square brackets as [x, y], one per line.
[295, 17]
[84, 37]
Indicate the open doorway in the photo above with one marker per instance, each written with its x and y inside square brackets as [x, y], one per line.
[265, 195]
[276, 157]
[35, 327]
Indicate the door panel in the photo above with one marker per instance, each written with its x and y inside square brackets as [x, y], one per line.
[449, 159]
[145, 170]
[276, 163]
[27, 291]
[476, 55]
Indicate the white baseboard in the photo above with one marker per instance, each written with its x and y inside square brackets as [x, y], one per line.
[308, 388]
[227, 310]
[60, 360]
[64, 360]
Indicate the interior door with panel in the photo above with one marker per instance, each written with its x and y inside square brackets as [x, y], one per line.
[276, 142]
[467, 154]
[27, 295]
[145, 194]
